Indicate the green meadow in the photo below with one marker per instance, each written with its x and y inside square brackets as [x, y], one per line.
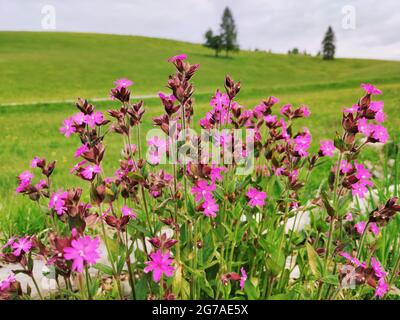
[41, 70]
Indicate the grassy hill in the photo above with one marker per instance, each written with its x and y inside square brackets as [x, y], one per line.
[57, 66]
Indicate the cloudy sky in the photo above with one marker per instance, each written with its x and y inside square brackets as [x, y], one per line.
[364, 28]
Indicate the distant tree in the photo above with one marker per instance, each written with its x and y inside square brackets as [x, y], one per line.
[213, 41]
[328, 45]
[228, 32]
[295, 51]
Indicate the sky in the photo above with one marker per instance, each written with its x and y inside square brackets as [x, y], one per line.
[363, 28]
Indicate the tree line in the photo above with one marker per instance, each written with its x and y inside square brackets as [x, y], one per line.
[225, 40]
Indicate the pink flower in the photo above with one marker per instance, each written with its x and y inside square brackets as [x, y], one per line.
[90, 171]
[81, 150]
[243, 278]
[210, 208]
[370, 89]
[302, 143]
[6, 283]
[202, 190]
[216, 173]
[78, 118]
[179, 57]
[353, 260]
[158, 147]
[256, 198]
[327, 147]
[305, 111]
[360, 227]
[380, 116]
[364, 127]
[9, 242]
[165, 97]
[35, 162]
[96, 118]
[159, 264]
[25, 176]
[345, 167]
[77, 166]
[219, 101]
[83, 251]
[349, 217]
[68, 129]
[57, 202]
[270, 119]
[374, 228]
[126, 211]
[381, 289]
[378, 269]
[41, 184]
[352, 109]
[361, 172]
[376, 106]
[21, 246]
[278, 171]
[380, 133]
[360, 188]
[285, 109]
[122, 83]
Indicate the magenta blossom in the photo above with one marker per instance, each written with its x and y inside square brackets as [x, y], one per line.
[374, 228]
[179, 57]
[353, 260]
[360, 227]
[210, 208]
[81, 150]
[270, 119]
[219, 101]
[378, 269]
[159, 264]
[327, 148]
[202, 190]
[381, 289]
[345, 167]
[68, 127]
[90, 171]
[256, 198]
[57, 202]
[305, 111]
[370, 89]
[35, 162]
[21, 246]
[25, 176]
[352, 109]
[126, 211]
[302, 143]
[376, 106]
[360, 188]
[122, 83]
[215, 174]
[96, 118]
[6, 283]
[243, 278]
[83, 251]
[349, 216]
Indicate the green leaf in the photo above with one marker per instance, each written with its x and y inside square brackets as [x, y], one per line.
[251, 291]
[314, 260]
[103, 268]
[331, 279]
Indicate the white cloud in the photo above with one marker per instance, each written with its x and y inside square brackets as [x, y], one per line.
[263, 24]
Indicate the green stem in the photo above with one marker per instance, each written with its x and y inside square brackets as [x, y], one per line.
[88, 283]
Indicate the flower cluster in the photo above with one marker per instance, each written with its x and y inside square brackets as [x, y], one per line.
[190, 227]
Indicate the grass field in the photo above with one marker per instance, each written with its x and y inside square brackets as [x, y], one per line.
[42, 67]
